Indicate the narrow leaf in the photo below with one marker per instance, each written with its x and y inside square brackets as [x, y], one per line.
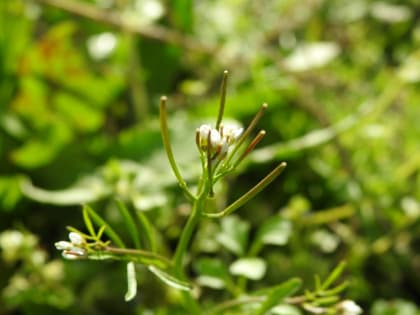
[87, 220]
[279, 293]
[131, 282]
[334, 275]
[147, 229]
[170, 280]
[337, 289]
[108, 229]
[129, 223]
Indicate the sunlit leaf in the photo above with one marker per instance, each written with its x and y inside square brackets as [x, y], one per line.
[311, 55]
[87, 191]
[251, 267]
[234, 235]
[131, 282]
[170, 280]
[276, 231]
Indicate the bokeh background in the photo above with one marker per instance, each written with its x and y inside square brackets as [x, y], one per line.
[80, 83]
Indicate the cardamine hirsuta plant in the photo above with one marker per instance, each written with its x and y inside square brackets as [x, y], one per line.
[221, 148]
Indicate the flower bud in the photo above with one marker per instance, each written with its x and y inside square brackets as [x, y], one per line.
[74, 253]
[76, 238]
[63, 245]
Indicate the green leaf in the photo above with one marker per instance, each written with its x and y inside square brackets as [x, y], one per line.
[275, 231]
[279, 293]
[88, 221]
[108, 230]
[129, 223]
[73, 108]
[10, 192]
[234, 235]
[131, 282]
[183, 14]
[147, 230]
[333, 275]
[170, 280]
[35, 153]
[212, 272]
[251, 267]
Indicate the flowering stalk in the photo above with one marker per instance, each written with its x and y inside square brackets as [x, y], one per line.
[222, 148]
[217, 146]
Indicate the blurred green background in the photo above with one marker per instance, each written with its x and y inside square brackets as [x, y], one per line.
[80, 83]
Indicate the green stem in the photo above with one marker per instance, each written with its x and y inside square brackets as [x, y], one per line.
[178, 260]
[222, 99]
[128, 254]
[187, 232]
[250, 194]
[167, 144]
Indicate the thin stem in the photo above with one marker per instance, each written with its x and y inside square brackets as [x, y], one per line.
[250, 147]
[250, 194]
[187, 233]
[155, 32]
[222, 99]
[138, 255]
[247, 132]
[168, 148]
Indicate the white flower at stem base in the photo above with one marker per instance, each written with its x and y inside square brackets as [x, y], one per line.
[349, 307]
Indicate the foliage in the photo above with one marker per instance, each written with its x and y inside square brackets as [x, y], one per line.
[79, 86]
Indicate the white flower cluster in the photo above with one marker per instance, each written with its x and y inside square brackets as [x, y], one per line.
[216, 141]
[73, 249]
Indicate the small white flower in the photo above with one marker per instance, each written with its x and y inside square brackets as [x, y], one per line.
[231, 133]
[206, 133]
[349, 307]
[76, 238]
[63, 245]
[224, 148]
[203, 135]
[215, 139]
